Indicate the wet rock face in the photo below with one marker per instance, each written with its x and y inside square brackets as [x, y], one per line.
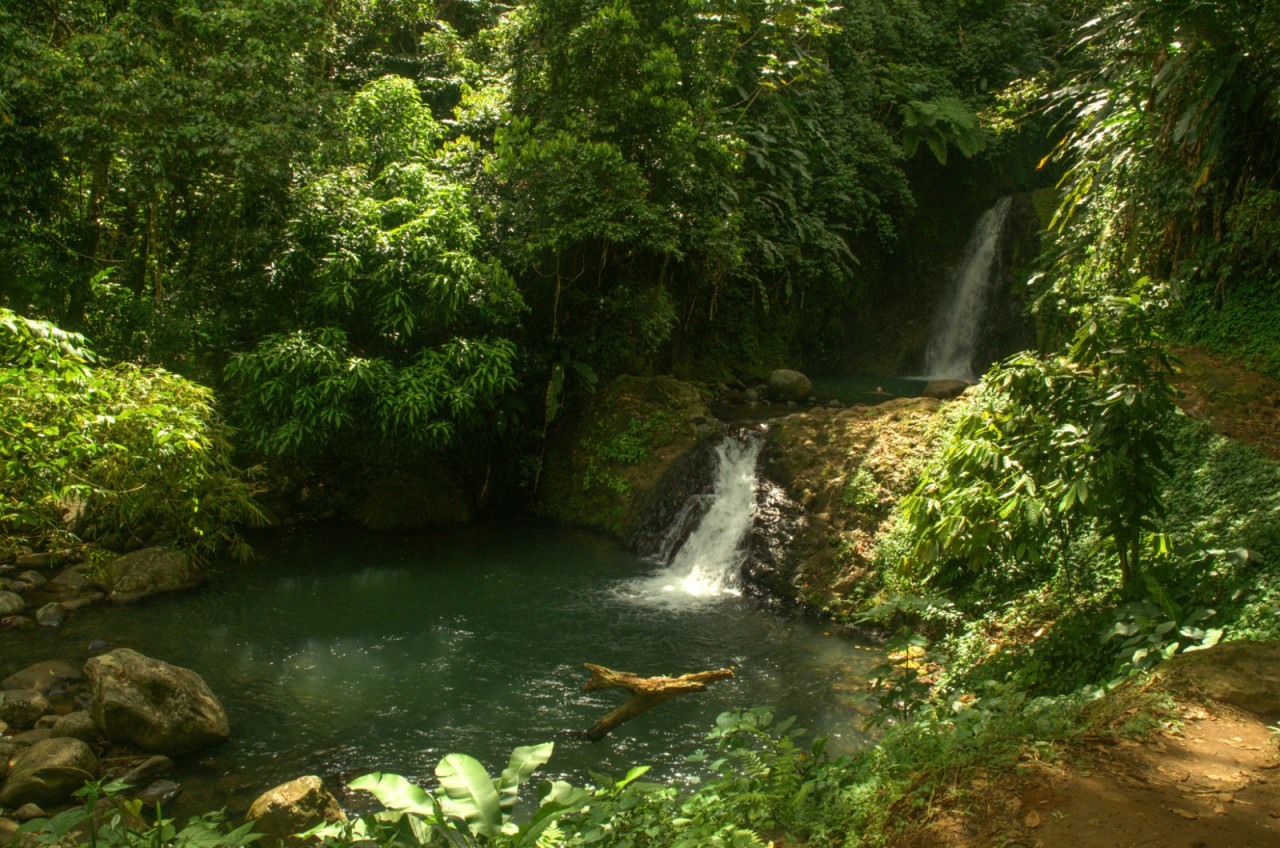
[153, 706]
[48, 772]
[838, 474]
[150, 571]
[1242, 674]
[778, 521]
[294, 807]
[607, 467]
[43, 677]
[75, 725]
[676, 505]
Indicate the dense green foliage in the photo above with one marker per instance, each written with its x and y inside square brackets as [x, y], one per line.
[1056, 447]
[419, 207]
[110, 454]
[1173, 157]
[381, 259]
[394, 228]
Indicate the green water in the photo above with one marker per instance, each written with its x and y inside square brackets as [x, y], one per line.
[338, 653]
[866, 388]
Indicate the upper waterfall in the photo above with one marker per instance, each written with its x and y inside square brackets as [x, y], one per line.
[957, 329]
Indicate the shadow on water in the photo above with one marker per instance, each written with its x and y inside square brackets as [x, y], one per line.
[338, 653]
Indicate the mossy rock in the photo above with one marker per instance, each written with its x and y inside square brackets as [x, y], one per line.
[845, 470]
[606, 465]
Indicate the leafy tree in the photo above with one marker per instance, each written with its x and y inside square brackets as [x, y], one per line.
[1053, 446]
[392, 335]
[110, 454]
[149, 152]
[1172, 159]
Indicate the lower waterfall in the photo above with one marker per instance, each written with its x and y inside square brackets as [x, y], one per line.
[706, 562]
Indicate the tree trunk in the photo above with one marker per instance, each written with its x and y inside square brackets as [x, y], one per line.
[646, 692]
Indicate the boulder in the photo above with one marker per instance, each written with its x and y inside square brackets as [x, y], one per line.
[153, 706]
[33, 578]
[70, 581]
[22, 708]
[16, 622]
[77, 725]
[1242, 674]
[81, 601]
[785, 385]
[30, 737]
[43, 677]
[51, 615]
[150, 571]
[48, 772]
[294, 807]
[945, 389]
[44, 559]
[11, 603]
[27, 812]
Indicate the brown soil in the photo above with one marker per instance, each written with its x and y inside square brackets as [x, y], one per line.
[1234, 401]
[1210, 782]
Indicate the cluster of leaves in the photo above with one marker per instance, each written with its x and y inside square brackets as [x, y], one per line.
[1053, 446]
[1172, 161]
[149, 147]
[111, 454]
[468, 809]
[382, 258]
[364, 199]
[106, 819]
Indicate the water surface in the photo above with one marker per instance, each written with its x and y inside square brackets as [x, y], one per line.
[340, 652]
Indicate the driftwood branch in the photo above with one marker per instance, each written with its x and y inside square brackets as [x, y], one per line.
[646, 692]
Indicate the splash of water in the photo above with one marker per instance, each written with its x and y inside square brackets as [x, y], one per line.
[959, 325]
[709, 563]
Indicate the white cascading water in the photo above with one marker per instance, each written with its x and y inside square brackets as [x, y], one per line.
[958, 327]
[709, 562]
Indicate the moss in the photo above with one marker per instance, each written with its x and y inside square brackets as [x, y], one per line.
[604, 464]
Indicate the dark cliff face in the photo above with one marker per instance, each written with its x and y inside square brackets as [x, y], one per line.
[890, 330]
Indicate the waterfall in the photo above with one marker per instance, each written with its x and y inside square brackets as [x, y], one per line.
[958, 327]
[709, 561]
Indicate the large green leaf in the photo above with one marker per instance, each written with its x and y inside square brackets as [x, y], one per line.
[524, 761]
[395, 793]
[469, 794]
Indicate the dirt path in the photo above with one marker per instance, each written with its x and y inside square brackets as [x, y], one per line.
[1238, 403]
[1212, 782]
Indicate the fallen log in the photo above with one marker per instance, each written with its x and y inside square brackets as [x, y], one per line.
[646, 692]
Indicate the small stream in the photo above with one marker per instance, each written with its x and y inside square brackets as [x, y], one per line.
[339, 652]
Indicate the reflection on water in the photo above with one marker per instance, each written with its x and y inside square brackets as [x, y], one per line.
[339, 653]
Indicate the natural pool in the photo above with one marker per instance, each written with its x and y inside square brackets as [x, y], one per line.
[340, 652]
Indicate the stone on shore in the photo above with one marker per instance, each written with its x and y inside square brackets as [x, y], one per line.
[152, 705]
[48, 772]
[294, 807]
[150, 571]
